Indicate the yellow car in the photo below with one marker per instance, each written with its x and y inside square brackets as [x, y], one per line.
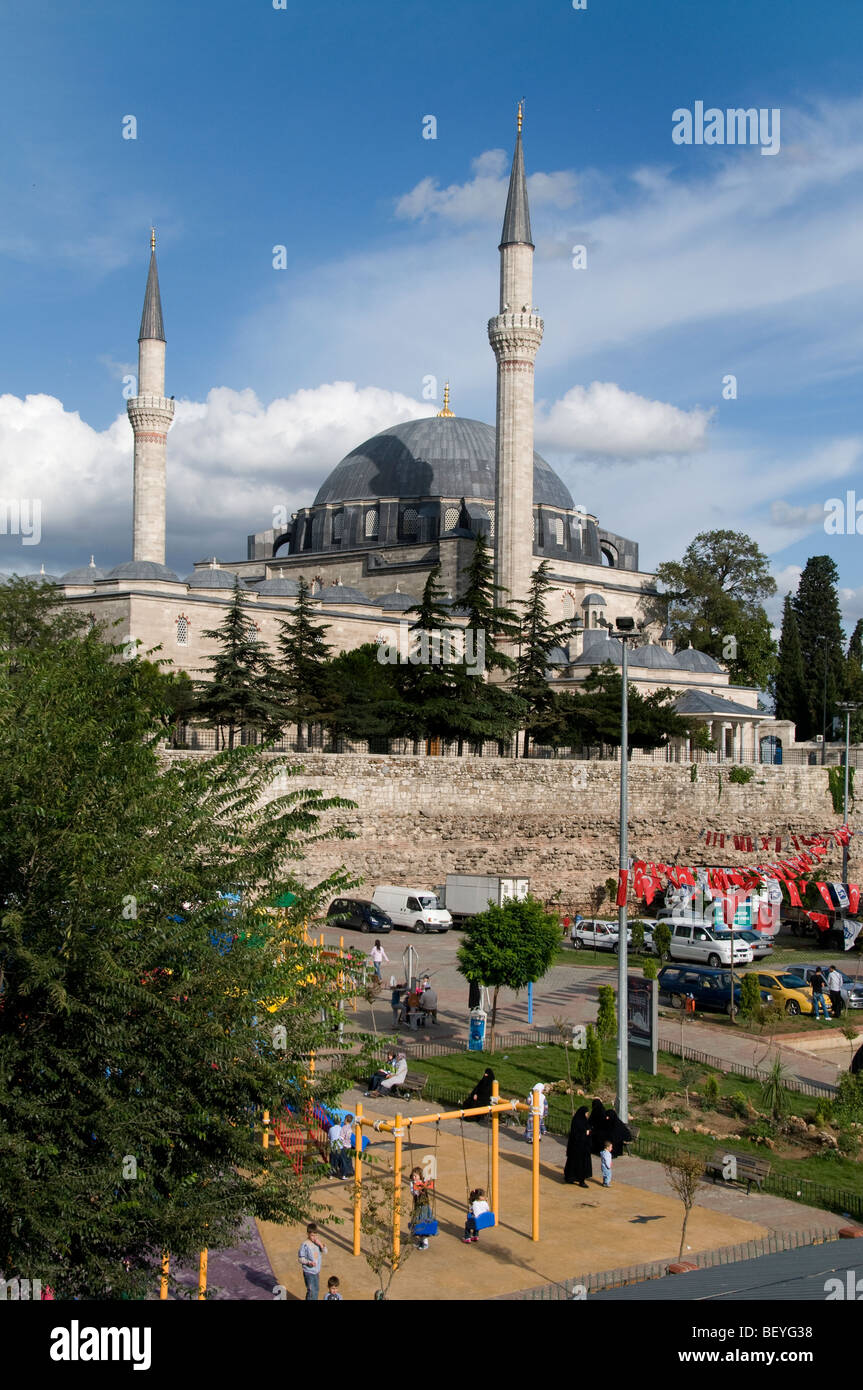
[787, 989]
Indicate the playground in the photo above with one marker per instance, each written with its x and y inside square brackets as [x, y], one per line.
[579, 1229]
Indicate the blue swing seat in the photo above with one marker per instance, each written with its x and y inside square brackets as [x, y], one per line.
[484, 1220]
[425, 1228]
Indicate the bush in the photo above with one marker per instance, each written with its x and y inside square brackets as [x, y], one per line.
[588, 1067]
[760, 1129]
[848, 1105]
[750, 998]
[823, 1114]
[741, 775]
[849, 1142]
[738, 1105]
[773, 1092]
[611, 889]
[606, 1018]
[638, 936]
[710, 1092]
[662, 939]
[650, 968]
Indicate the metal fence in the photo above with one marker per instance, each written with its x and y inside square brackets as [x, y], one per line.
[594, 1281]
[818, 1089]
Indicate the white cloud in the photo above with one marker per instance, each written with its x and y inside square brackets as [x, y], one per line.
[784, 514]
[231, 459]
[483, 197]
[604, 419]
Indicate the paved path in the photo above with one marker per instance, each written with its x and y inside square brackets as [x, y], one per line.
[568, 993]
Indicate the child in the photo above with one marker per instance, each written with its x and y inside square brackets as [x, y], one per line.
[332, 1295]
[478, 1206]
[420, 1190]
[605, 1164]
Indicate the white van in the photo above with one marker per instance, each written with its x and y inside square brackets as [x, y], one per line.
[697, 941]
[417, 909]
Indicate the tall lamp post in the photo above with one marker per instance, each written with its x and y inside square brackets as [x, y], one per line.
[625, 631]
[825, 644]
[847, 709]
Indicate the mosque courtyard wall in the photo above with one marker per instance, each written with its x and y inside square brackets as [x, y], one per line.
[556, 822]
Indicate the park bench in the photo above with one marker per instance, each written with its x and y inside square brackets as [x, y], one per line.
[750, 1170]
[413, 1085]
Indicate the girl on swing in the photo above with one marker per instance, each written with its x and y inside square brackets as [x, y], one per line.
[478, 1206]
[420, 1192]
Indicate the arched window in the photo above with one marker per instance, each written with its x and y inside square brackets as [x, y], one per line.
[557, 530]
[182, 631]
[371, 523]
[567, 605]
[450, 518]
[609, 557]
[338, 526]
[410, 523]
[252, 633]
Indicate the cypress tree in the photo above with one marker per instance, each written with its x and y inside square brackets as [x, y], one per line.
[239, 691]
[485, 614]
[538, 638]
[789, 685]
[854, 679]
[816, 608]
[302, 676]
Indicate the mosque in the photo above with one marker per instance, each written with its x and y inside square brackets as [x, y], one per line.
[414, 496]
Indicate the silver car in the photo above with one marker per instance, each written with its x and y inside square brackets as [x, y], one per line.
[852, 990]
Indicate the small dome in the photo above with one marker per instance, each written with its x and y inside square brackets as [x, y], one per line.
[142, 569]
[84, 574]
[598, 650]
[342, 593]
[396, 602]
[212, 578]
[651, 655]
[691, 660]
[558, 657]
[278, 587]
[40, 578]
[593, 601]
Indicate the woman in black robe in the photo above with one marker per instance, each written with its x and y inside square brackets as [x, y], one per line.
[480, 1095]
[616, 1131]
[578, 1165]
[597, 1123]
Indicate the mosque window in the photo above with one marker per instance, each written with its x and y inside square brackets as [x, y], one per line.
[372, 522]
[338, 527]
[491, 522]
[450, 518]
[557, 530]
[537, 529]
[410, 523]
[252, 633]
[182, 631]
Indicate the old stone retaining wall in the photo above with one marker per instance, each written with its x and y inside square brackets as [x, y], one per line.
[419, 818]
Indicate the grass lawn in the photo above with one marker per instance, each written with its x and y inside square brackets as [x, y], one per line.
[518, 1070]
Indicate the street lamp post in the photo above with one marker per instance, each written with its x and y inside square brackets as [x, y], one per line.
[847, 709]
[625, 631]
[825, 644]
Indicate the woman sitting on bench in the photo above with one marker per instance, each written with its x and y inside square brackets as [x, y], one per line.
[385, 1088]
[380, 1076]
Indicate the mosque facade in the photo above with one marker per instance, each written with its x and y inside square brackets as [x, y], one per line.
[412, 497]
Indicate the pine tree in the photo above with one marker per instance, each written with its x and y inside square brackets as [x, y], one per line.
[238, 693]
[428, 684]
[538, 638]
[302, 678]
[853, 687]
[484, 613]
[789, 685]
[816, 608]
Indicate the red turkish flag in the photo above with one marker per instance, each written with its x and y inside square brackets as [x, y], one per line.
[793, 893]
[825, 893]
[853, 897]
[622, 883]
[821, 922]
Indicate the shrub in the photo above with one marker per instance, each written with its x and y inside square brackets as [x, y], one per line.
[741, 775]
[650, 968]
[710, 1092]
[849, 1142]
[760, 1129]
[848, 1105]
[638, 936]
[588, 1067]
[738, 1104]
[773, 1091]
[606, 1018]
[611, 889]
[823, 1114]
[662, 939]
[750, 998]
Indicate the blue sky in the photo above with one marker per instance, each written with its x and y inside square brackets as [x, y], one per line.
[303, 127]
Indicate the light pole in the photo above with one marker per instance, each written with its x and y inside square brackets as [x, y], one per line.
[625, 632]
[847, 709]
[824, 641]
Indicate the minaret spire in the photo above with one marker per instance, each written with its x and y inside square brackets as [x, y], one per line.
[150, 415]
[515, 335]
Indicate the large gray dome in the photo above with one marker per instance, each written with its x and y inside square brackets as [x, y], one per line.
[441, 456]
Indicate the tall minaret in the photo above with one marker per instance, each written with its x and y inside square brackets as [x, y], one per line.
[150, 415]
[515, 335]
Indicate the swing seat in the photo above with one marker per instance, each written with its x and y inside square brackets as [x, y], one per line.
[425, 1228]
[484, 1220]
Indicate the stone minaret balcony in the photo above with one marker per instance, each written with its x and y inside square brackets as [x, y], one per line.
[150, 414]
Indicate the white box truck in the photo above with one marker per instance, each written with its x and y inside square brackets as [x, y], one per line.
[463, 895]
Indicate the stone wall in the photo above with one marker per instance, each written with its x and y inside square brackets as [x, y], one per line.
[419, 818]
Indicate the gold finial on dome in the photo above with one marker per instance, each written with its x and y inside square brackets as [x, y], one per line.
[446, 412]
[152, 238]
[520, 114]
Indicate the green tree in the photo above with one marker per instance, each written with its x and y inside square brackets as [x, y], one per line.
[363, 699]
[32, 614]
[789, 682]
[142, 1033]
[592, 714]
[662, 940]
[508, 947]
[538, 637]
[750, 998]
[853, 689]
[606, 1018]
[238, 693]
[479, 600]
[589, 1064]
[819, 622]
[684, 1172]
[302, 677]
[715, 593]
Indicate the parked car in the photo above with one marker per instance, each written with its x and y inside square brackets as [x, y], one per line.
[417, 909]
[852, 990]
[788, 989]
[595, 934]
[359, 913]
[761, 944]
[706, 945]
[711, 989]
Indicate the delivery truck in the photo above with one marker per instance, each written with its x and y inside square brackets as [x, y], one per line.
[463, 895]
